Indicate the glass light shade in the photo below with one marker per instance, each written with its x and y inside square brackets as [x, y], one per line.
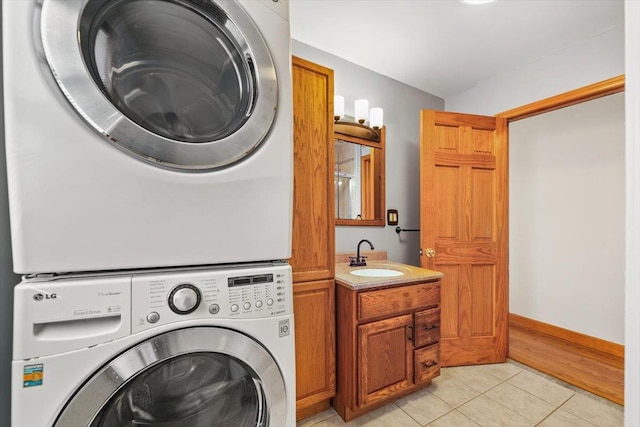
[338, 107]
[375, 118]
[361, 110]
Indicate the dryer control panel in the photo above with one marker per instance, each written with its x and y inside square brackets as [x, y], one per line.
[242, 293]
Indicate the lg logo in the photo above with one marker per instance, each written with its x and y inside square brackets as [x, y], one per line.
[40, 297]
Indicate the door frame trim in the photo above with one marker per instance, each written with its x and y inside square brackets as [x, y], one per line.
[566, 99]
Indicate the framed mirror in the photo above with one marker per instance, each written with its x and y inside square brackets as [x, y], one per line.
[359, 179]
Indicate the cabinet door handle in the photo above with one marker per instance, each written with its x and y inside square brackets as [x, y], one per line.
[428, 365]
[410, 336]
[431, 326]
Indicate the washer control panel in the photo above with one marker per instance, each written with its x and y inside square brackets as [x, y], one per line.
[243, 293]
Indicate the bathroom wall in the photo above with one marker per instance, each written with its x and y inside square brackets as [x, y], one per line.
[566, 217]
[401, 104]
[584, 63]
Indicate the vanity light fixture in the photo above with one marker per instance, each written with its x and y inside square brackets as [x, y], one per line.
[368, 118]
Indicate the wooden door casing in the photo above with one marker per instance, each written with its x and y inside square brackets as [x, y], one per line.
[464, 208]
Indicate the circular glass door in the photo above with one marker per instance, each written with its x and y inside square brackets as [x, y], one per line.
[185, 378]
[187, 84]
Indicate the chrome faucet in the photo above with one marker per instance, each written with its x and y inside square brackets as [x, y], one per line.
[360, 261]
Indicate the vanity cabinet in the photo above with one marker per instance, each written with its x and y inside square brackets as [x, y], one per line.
[313, 252]
[387, 344]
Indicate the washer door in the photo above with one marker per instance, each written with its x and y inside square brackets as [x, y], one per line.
[184, 378]
[188, 84]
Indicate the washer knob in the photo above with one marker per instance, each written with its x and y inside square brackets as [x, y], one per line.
[184, 299]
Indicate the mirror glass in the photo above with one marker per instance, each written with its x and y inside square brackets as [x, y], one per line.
[359, 180]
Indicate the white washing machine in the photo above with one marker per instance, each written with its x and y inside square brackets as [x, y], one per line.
[195, 348]
[147, 133]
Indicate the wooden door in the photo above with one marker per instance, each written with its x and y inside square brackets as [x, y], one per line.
[464, 207]
[385, 358]
[313, 192]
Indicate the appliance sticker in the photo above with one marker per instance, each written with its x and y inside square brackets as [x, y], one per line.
[32, 375]
[284, 328]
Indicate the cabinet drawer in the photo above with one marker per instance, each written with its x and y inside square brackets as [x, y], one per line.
[392, 301]
[427, 327]
[427, 363]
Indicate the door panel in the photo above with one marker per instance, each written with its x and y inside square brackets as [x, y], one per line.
[313, 192]
[385, 359]
[314, 310]
[463, 201]
[449, 303]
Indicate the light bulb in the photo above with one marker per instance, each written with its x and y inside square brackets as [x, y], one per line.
[362, 110]
[338, 107]
[375, 118]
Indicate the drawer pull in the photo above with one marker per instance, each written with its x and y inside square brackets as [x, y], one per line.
[428, 365]
[410, 336]
[430, 327]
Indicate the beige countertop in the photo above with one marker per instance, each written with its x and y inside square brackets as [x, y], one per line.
[411, 274]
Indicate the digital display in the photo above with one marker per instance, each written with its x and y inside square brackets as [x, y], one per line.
[249, 280]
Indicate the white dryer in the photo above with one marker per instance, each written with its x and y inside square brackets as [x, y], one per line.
[147, 133]
[181, 349]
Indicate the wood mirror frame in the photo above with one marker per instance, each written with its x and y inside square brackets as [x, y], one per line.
[375, 184]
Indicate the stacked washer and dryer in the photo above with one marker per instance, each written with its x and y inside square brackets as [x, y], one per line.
[149, 158]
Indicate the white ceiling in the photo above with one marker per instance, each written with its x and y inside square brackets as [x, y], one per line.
[445, 47]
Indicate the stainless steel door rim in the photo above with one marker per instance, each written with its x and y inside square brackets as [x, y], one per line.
[95, 394]
[247, 90]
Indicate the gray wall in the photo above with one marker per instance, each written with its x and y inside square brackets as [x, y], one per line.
[402, 104]
[7, 280]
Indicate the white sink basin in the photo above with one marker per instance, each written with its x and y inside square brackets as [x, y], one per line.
[376, 272]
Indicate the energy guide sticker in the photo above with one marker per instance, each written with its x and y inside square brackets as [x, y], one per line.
[32, 375]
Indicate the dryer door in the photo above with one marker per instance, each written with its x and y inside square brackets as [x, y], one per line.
[187, 84]
[184, 378]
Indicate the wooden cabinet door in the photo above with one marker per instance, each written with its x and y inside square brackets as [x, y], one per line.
[463, 202]
[314, 321]
[385, 360]
[313, 252]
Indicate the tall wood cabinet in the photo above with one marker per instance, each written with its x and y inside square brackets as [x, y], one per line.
[313, 256]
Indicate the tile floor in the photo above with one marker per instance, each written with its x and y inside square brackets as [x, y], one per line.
[501, 395]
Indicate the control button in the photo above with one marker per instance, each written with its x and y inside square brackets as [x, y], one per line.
[234, 307]
[258, 304]
[247, 305]
[153, 317]
[270, 302]
[214, 309]
[184, 298]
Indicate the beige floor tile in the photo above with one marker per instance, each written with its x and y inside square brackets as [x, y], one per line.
[489, 413]
[423, 406]
[336, 421]
[451, 390]
[475, 377]
[562, 418]
[542, 388]
[519, 401]
[315, 419]
[595, 411]
[454, 419]
[387, 416]
[503, 371]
